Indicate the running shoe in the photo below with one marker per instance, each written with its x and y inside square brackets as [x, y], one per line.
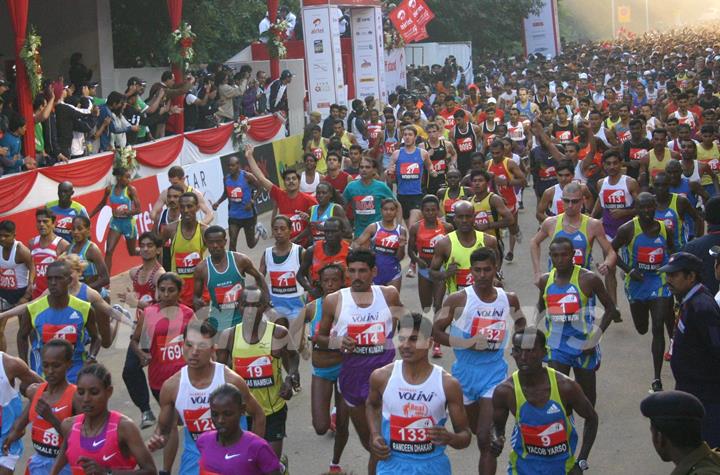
[519, 237]
[147, 420]
[263, 230]
[656, 386]
[521, 205]
[509, 256]
[411, 271]
[285, 464]
[437, 351]
[333, 419]
[335, 468]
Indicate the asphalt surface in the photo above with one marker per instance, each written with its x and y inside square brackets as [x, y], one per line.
[623, 443]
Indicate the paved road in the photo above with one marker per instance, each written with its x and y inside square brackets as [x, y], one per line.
[623, 442]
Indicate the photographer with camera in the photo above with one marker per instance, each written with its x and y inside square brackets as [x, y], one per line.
[227, 91]
[200, 103]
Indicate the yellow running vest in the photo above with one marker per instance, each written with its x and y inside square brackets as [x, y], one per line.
[460, 255]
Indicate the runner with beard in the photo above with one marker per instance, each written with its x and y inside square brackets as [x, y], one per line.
[442, 156]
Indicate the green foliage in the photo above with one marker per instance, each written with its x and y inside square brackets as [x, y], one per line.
[223, 27]
[494, 26]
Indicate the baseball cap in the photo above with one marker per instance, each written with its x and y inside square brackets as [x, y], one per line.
[492, 100]
[286, 74]
[682, 261]
[672, 405]
[714, 252]
[134, 81]
[582, 76]
[92, 84]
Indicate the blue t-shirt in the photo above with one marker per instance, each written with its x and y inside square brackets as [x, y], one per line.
[13, 143]
[366, 202]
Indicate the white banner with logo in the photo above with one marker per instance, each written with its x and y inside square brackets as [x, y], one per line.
[542, 32]
[207, 177]
[365, 53]
[395, 69]
[323, 60]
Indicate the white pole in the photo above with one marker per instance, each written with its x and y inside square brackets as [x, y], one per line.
[612, 17]
[647, 16]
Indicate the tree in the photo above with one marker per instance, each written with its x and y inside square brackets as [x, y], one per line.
[223, 27]
[493, 26]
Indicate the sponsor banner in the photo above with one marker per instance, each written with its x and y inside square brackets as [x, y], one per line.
[380, 41]
[410, 19]
[365, 52]
[320, 58]
[207, 177]
[395, 69]
[541, 31]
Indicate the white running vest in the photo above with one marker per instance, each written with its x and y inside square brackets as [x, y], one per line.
[615, 196]
[371, 327]
[283, 277]
[12, 275]
[491, 319]
[193, 404]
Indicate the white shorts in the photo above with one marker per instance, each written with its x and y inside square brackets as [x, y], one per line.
[9, 461]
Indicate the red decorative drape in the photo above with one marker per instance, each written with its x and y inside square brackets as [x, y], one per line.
[176, 122]
[161, 153]
[81, 172]
[211, 141]
[272, 6]
[18, 18]
[264, 128]
[14, 189]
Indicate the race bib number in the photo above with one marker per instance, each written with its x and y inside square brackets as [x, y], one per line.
[283, 282]
[668, 222]
[560, 206]
[614, 199]
[410, 434]
[410, 171]
[171, 349]
[624, 136]
[64, 224]
[256, 370]
[463, 278]
[714, 165]
[185, 262]
[298, 224]
[546, 173]
[198, 421]
[465, 145]
[650, 258]
[46, 441]
[119, 208]
[482, 218]
[563, 307]
[638, 153]
[8, 279]
[318, 153]
[63, 332]
[369, 337]
[390, 147]
[234, 193]
[364, 205]
[439, 166]
[492, 329]
[563, 135]
[545, 440]
[579, 257]
[228, 297]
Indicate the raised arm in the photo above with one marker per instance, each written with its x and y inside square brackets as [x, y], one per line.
[255, 169]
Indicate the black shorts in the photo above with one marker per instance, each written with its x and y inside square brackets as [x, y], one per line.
[274, 425]
[156, 394]
[409, 203]
[243, 223]
[12, 296]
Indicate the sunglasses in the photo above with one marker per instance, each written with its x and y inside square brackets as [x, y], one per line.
[572, 201]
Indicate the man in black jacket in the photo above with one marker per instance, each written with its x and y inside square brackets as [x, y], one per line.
[701, 246]
[695, 359]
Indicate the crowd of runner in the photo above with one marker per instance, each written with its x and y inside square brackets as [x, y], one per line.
[619, 143]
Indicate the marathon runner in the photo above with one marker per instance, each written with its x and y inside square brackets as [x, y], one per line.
[635, 149]
[646, 247]
[411, 437]
[542, 400]
[50, 403]
[188, 247]
[186, 395]
[465, 136]
[443, 158]
[672, 208]
[581, 229]
[326, 364]
[326, 208]
[240, 189]
[258, 350]
[44, 248]
[480, 318]
[222, 276]
[567, 303]
[491, 212]
[169, 215]
[364, 196]
[125, 205]
[656, 159]
[450, 265]
[141, 295]
[65, 209]
[96, 272]
[115, 445]
[551, 203]
[361, 318]
[683, 186]
[17, 273]
[58, 315]
[228, 449]
[331, 250]
[445, 194]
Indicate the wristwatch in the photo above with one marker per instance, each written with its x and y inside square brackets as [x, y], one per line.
[583, 465]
